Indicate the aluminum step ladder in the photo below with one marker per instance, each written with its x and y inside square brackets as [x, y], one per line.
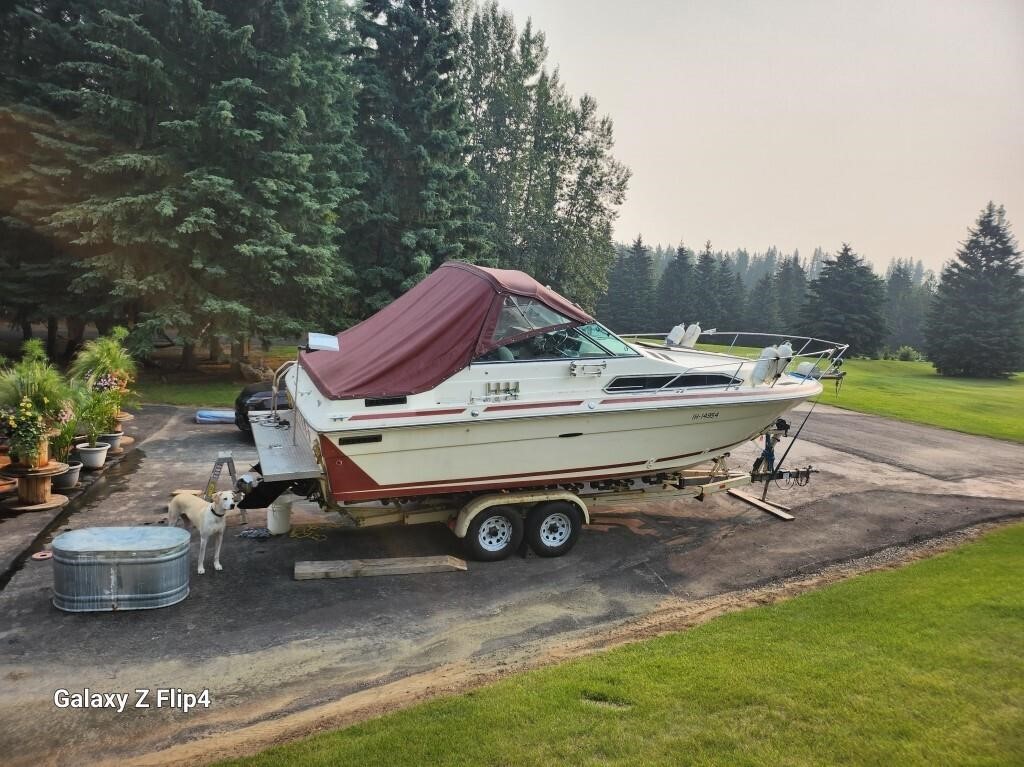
[224, 458]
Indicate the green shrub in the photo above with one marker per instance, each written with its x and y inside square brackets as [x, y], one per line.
[908, 354]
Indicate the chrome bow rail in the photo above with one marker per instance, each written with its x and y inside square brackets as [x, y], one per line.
[826, 357]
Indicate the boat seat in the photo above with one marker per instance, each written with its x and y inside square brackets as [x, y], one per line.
[505, 354]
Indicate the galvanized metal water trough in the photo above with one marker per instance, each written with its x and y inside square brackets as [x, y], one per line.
[120, 568]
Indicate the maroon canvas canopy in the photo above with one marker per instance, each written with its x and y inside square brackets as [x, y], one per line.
[432, 332]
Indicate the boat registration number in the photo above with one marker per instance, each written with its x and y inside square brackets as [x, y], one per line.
[705, 416]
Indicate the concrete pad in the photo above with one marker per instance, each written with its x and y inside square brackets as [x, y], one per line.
[269, 648]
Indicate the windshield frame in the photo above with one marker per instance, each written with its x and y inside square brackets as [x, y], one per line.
[578, 328]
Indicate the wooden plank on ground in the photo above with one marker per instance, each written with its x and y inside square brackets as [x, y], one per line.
[358, 568]
[763, 505]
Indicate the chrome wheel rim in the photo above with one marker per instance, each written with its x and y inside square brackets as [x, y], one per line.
[555, 529]
[495, 533]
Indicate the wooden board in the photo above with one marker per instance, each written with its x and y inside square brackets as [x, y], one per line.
[763, 505]
[356, 568]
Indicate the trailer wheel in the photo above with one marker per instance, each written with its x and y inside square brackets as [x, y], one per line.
[494, 533]
[553, 527]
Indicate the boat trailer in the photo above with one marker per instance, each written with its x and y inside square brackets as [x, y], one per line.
[493, 523]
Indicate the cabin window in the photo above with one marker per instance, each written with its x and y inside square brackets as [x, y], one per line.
[363, 439]
[704, 379]
[384, 401]
[646, 383]
[638, 383]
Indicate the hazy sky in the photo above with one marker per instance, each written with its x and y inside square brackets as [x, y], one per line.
[885, 124]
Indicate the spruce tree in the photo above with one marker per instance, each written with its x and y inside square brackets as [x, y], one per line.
[904, 310]
[847, 304]
[762, 310]
[731, 296]
[674, 299]
[210, 166]
[628, 305]
[791, 290]
[418, 189]
[976, 323]
[706, 305]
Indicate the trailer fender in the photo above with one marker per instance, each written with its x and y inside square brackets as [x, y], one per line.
[484, 502]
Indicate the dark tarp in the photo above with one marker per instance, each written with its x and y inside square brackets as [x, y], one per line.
[428, 334]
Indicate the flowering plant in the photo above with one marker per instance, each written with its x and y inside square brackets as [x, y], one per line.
[25, 428]
[65, 424]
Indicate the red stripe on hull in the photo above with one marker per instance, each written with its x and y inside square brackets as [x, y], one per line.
[528, 405]
[406, 414]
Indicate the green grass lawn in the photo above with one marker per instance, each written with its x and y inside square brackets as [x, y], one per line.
[913, 391]
[922, 665]
[213, 393]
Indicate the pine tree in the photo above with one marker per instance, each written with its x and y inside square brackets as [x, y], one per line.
[976, 323]
[762, 309]
[549, 184]
[903, 308]
[212, 166]
[791, 290]
[706, 305]
[630, 305]
[418, 190]
[674, 297]
[847, 304]
[731, 296]
[817, 260]
[41, 149]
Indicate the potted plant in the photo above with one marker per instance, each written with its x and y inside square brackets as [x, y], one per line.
[26, 430]
[62, 440]
[93, 417]
[106, 365]
[32, 391]
[112, 390]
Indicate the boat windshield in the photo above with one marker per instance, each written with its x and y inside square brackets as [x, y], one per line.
[562, 343]
[520, 315]
[603, 336]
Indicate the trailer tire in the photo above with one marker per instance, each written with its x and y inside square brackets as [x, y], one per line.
[494, 533]
[553, 527]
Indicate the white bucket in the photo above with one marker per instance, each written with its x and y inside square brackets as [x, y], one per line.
[279, 517]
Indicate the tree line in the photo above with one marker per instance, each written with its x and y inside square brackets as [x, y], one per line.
[233, 170]
[969, 321]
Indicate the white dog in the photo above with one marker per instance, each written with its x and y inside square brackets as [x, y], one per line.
[204, 516]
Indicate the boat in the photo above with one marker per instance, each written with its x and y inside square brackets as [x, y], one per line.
[481, 380]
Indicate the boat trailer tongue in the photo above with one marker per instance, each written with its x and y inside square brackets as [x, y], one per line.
[765, 470]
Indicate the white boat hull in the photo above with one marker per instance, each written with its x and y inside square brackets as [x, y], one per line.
[529, 451]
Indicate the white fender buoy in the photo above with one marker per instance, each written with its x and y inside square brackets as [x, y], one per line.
[785, 357]
[675, 336]
[765, 366]
[690, 336]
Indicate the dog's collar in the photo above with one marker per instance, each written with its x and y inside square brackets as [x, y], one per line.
[214, 510]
